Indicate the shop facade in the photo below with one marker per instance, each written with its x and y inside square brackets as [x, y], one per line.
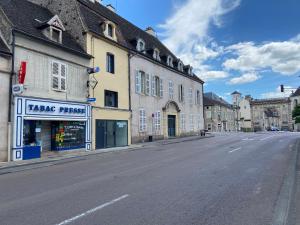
[42, 125]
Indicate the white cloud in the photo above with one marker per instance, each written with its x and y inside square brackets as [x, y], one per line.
[186, 31]
[282, 57]
[245, 78]
[212, 75]
[277, 93]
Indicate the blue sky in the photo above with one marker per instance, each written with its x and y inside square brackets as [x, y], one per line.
[251, 46]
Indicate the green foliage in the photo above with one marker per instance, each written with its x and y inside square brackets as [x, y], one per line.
[296, 112]
[297, 120]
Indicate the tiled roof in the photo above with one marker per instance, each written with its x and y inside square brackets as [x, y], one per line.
[296, 93]
[269, 101]
[127, 33]
[27, 18]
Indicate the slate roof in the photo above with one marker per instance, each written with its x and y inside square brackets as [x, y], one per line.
[296, 93]
[27, 18]
[127, 33]
[207, 101]
[3, 48]
[235, 92]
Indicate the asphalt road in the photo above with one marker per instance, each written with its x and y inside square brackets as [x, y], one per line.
[230, 179]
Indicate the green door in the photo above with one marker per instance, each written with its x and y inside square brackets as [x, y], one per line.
[171, 126]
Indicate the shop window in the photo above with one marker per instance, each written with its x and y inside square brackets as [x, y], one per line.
[111, 99]
[59, 76]
[110, 63]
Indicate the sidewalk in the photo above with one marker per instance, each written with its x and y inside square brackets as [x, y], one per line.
[50, 159]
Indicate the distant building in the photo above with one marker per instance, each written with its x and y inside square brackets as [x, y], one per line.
[271, 113]
[218, 114]
[295, 101]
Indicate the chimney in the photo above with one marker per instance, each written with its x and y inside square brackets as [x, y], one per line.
[151, 31]
[111, 8]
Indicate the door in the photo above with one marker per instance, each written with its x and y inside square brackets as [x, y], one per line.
[171, 126]
[100, 134]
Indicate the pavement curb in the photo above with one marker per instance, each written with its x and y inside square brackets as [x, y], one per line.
[284, 201]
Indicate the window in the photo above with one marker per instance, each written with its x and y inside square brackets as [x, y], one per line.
[191, 96]
[142, 83]
[142, 121]
[180, 66]
[56, 34]
[110, 30]
[190, 70]
[157, 86]
[182, 122]
[199, 121]
[171, 90]
[157, 121]
[198, 97]
[170, 61]
[111, 99]
[181, 93]
[208, 114]
[156, 54]
[140, 45]
[59, 76]
[191, 122]
[110, 63]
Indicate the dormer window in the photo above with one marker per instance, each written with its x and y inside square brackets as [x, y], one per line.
[110, 30]
[180, 66]
[170, 61]
[190, 70]
[56, 34]
[141, 45]
[156, 54]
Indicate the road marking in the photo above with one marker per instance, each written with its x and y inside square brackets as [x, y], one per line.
[92, 210]
[248, 139]
[234, 150]
[265, 138]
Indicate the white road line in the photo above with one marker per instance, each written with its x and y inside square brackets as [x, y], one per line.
[265, 138]
[234, 150]
[92, 210]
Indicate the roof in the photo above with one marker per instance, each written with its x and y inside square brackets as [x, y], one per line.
[28, 19]
[270, 101]
[208, 101]
[127, 33]
[296, 93]
[4, 48]
[235, 92]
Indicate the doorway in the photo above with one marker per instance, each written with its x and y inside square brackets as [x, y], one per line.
[171, 126]
[111, 133]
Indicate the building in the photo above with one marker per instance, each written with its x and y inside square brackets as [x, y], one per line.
[149, 84]
[50, 110]
[271, 113]
[245, 114]
[295, 100]
[99, 32]
[166, 96]
[219, 114]
[5, 75]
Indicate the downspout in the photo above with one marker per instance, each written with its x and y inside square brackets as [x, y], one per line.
[129, 94]
[10, 97]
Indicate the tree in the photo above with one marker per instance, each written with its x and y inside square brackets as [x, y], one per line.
[296, 114]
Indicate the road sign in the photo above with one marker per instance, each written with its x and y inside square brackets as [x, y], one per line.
[91, 100]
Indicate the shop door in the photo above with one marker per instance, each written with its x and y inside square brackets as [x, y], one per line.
[171, 126]
[100, 134]
[111, 133]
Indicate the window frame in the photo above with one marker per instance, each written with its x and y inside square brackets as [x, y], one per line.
[59, 76]
[52, 28]
[142, 120]
[110, 65]
[116, 95]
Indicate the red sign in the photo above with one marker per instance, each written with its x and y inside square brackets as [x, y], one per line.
[22, 72]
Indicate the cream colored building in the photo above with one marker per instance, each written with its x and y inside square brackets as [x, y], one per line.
[295, 101]
[5, 73]
[245, 116]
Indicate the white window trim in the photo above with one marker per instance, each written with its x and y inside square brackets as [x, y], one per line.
[114, 37]
[51, 34]
[157, 122]
[182, 122]
[170, 61]
[156, 54]
[171, 90]
[60, 64]
[138, 45]
[142, 120]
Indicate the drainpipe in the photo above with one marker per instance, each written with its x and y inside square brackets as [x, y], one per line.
[10, 98]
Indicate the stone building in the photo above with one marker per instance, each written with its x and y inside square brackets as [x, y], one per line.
[49, 107]
[161, 95]
[219, 115]
[295, 100]
[245, 115]
[5, 75]
[271, 113]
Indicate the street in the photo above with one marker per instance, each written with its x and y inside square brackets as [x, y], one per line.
[229, 179]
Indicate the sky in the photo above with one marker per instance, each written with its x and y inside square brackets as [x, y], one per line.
[252, 46]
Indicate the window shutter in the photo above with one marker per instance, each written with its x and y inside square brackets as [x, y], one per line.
[147, 84]
[182, 94]
[153, 85]
[63, 75]
[55, 75]
[179, 93]
[161, 88]
[137, 82]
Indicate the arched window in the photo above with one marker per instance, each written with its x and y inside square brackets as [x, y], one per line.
[110, 30]
[180, 66]
[141, 46]
[156, 54]
[170, 61]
